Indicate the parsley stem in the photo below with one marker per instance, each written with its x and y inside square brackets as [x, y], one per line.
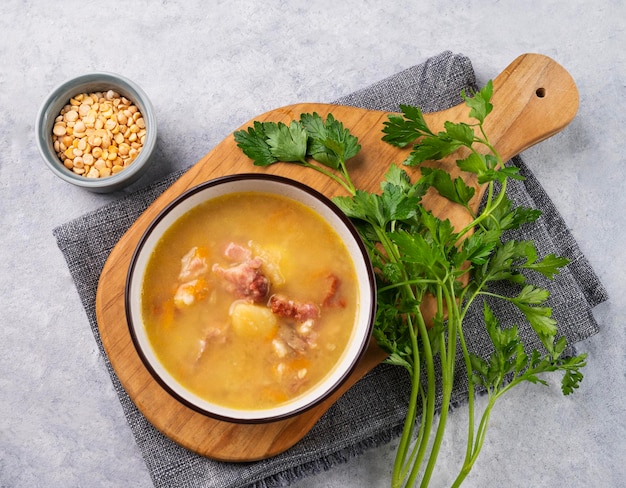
[417, 456]
[346, 175]
[486, 213]
[345, 183]
[478, 444]
[447, 372]
[429, 414]
[470, 395]
[399, 469]
[408, 282]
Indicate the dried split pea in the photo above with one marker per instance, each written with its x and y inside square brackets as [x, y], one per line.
[98, 134]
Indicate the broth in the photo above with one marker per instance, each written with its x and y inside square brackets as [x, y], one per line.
[249, 300]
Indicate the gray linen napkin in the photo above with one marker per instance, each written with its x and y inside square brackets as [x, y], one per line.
[370, 413]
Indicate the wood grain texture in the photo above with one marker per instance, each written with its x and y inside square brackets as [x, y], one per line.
[533, 98]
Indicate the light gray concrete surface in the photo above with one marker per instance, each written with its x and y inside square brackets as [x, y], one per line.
[210, 66]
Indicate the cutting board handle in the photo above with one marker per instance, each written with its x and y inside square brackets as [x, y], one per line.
[539, 98]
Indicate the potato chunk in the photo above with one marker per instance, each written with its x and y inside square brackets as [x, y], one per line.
[271, 257]
[253, 321]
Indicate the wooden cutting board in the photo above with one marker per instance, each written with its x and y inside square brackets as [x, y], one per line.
[533, 98]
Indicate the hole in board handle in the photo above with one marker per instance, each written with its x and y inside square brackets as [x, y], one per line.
[540, 92]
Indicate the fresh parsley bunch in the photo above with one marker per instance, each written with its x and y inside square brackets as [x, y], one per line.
[419, 257]
[322, 145]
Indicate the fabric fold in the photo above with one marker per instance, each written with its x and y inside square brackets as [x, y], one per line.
[370, 413]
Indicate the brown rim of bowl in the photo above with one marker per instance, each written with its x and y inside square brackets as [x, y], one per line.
[281, 180]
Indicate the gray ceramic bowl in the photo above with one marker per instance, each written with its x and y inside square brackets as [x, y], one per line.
[89, 83]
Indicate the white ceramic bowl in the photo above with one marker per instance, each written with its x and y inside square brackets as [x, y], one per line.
[358, 341]
[90, 83]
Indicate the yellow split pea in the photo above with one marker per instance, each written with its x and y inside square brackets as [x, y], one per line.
[98, 134]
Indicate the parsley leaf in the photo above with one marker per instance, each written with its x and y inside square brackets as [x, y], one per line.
[286, 143]
[401, 130]
[505, 217]
[509, 364]
[379, 210]
[253, 143]
[460, 132]
[573, 376]
[330, 143]
[549, 266]
[480, 103]
[474, 163]
[312, 138]
[502, 265]
[454, 190]
[269, 142]
[432, 148]
[477, 249]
